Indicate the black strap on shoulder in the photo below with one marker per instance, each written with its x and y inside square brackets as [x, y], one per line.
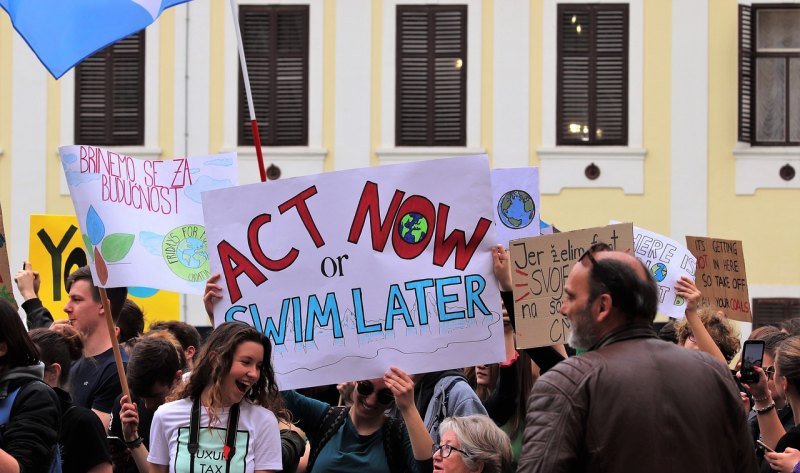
[393, 445]
[333, 418]
[230, 435]
[194, 433]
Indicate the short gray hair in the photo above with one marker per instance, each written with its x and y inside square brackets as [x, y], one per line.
[483, 441]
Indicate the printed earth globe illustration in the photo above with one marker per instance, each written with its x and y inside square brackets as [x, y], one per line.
[659, 271]
[413, 227]
[191, 253]
[516, 209]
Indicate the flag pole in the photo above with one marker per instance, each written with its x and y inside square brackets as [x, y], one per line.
[112, 332]
[246, 77]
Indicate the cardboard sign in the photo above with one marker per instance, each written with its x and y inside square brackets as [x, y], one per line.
[351, 272]
[6, 288]
[721, 275]
[540, 266]
[667, 261]
[141, 220]
[56, 250]
[515, 193]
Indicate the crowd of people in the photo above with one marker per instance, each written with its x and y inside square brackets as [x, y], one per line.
[619, 397]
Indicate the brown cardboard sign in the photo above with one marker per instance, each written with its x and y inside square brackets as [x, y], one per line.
[721, 275]
[6, 288]
[540, 266]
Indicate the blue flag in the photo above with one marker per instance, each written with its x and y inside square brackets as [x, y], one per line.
[63, 32]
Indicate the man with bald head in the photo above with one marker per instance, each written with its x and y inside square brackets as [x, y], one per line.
[632, 402]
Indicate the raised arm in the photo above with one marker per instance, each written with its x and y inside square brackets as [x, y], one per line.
[686, 288]
[212, 294]
[402, 387]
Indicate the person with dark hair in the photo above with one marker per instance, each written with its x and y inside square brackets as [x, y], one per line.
[227, 408]
[631, 401]
[130, 323]
[94, 382]
[187, 335]
[153, 372]
[82, 437]
[30, 415]
[791, 326]
[668, 332]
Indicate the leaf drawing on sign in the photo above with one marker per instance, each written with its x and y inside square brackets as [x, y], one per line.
[100, 266]
[95, 227]
[6, 294]
[88, 244]
[116, 246]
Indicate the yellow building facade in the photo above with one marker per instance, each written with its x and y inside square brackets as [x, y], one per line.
[682, 171]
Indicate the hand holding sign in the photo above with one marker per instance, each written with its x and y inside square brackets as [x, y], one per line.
[27, 281]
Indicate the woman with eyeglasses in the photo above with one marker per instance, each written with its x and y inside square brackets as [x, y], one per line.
[472, 444]
[361, 438]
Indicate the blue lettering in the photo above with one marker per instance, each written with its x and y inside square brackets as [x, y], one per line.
[323, 315]
[298, 321]
[474, 294]
[442, 299]
[396, 306]
[361, 326]
[419, 287]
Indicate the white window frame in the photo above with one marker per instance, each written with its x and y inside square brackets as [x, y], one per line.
[292, 160]
[758, 167]
[151, 148]
[620, 166]
[387, 151]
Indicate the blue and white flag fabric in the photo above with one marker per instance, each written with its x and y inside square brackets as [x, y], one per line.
[63, 32]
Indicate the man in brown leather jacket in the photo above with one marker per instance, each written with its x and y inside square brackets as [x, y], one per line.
[631, 402]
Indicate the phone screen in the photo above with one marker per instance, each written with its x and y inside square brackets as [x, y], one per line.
[752, 355]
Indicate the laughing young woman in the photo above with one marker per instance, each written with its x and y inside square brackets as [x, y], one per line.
[224, 420]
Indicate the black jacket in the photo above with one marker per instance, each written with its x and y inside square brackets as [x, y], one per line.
[31, 434]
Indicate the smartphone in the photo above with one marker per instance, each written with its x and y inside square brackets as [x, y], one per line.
[764, 446]
[115, 444]
[752, 356]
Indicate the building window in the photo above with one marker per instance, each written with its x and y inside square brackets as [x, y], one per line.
[109, 95]
[774, 310]
[592, 96]
[769, 75]
[431, 81]
[275, 39]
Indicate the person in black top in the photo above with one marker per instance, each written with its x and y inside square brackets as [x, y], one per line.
[82, 437]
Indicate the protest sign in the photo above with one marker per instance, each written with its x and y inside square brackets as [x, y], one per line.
[56, 250]
[353, 271]
[515, 193]
[667, 261]
[141, 220]
[6, 288]
[539, 269]
[721, 275]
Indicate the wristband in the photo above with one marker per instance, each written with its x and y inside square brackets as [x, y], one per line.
[138, 442]
[764, 410]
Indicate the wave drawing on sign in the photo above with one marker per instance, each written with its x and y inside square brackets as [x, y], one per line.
[102, 248]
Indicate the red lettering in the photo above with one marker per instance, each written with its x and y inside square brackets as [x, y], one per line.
[299, 201]
[230, 256]
[424, 207]
[368, 203]
[443, 246]
[258, 253]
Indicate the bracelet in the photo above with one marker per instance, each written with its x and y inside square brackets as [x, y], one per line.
[764, 410]
[762, 399]
[138, 442]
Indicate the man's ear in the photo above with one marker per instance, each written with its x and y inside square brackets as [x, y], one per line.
[189, 352]
[603, 304]
[52, 373]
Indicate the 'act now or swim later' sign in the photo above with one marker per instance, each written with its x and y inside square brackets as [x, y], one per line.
[353, 271]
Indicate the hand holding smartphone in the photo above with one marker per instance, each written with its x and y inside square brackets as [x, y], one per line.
[764, 446]
[752, 356]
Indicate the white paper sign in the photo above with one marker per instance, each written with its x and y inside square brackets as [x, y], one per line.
[515, 193]
[667, 261]
[353, 271]
[141, 220]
